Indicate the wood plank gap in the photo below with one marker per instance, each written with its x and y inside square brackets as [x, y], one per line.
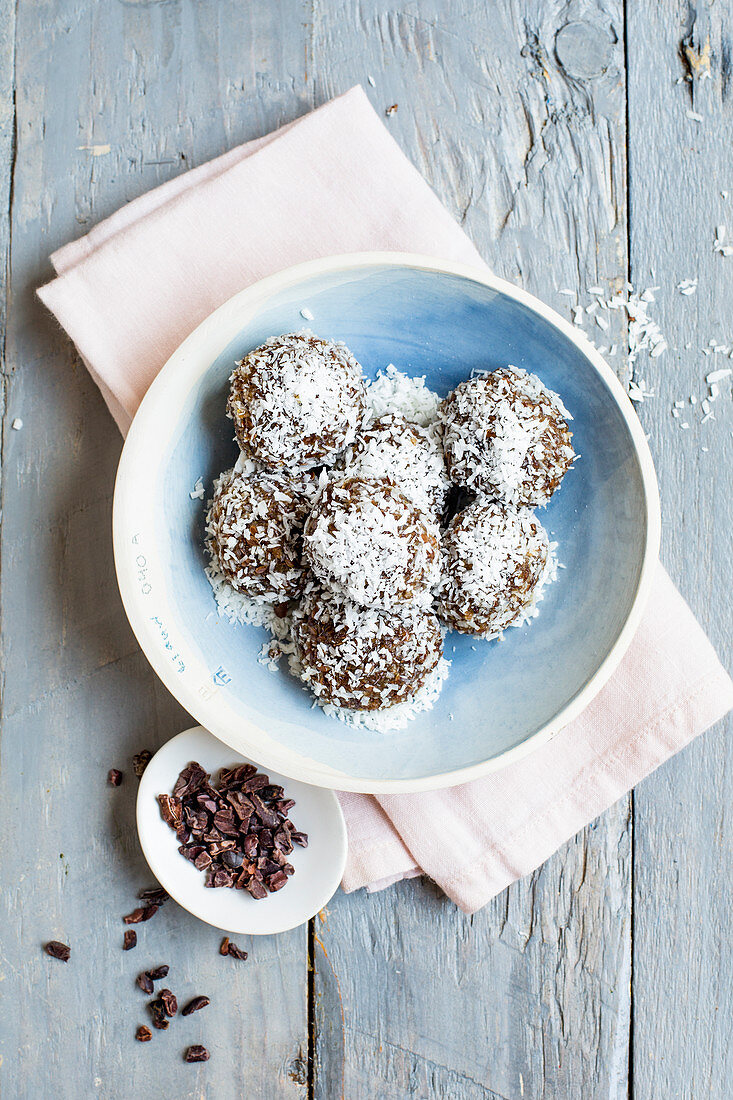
[632, 909]
[311, 1018]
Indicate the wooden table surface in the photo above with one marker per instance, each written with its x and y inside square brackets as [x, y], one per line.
[579, 143]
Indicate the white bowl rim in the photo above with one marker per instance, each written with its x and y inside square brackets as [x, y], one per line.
[212, 336]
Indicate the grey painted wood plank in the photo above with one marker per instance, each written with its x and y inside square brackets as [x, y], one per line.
[7, 146]
[683, 872]
[519, 124]
[165, 86]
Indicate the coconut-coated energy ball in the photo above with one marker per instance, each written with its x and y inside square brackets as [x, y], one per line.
[254, 531]
[505, 435]
[364, 658]
[296, 401]
[494, 559]
[366, 540]
[409, 456]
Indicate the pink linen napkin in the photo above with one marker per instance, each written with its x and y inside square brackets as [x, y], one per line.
[336, 182]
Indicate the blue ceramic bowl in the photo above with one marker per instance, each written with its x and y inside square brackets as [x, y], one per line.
[502, 698]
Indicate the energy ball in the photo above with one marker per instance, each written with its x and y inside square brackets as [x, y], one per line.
[296, 402]
[366, 540]
[409, 456]
[494, 558]
[254, 531]
[364, 658]
[505, 435]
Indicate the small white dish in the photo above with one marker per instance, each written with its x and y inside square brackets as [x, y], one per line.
[318, 868]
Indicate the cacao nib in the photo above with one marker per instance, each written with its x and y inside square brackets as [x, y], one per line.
[58, 950]
[154, 895]
[233, 860]
[169, 1002]
[255, 783]
[224, 821]
[193, 852]
[257, 889]
[190, 780]
[268, 817]
[277, 881]
[140, 762]
[194, 1005]
[158, 1012]
[158, 972]
[114, 777]
[143, 1034]
[129, 940]
[231, 949]
[249, 846]
[145, 912]
[171, 811]
[202, 861]
[145, 982]
[196, 1053]
[301, 839]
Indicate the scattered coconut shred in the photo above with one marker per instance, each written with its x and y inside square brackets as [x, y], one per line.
[390, 392]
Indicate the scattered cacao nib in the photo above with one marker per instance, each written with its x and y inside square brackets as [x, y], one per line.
[158, 1012]
[146, 979]
[229, 948]
[151, 899]
[238, 834]
[143, 1034]
[154, 895]
[194, 1005]
[114, 777]
[140, 762]
[129, 940]
[170, 1004]
[145, 982]
[58, 950]
[158, 973]
[145, 912]
[196, 1053]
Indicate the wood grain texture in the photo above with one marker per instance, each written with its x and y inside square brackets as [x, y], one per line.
[163, 86]
[515, 113]
[683, 871]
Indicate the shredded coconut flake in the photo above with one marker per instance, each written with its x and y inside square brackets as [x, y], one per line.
[395, 392]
